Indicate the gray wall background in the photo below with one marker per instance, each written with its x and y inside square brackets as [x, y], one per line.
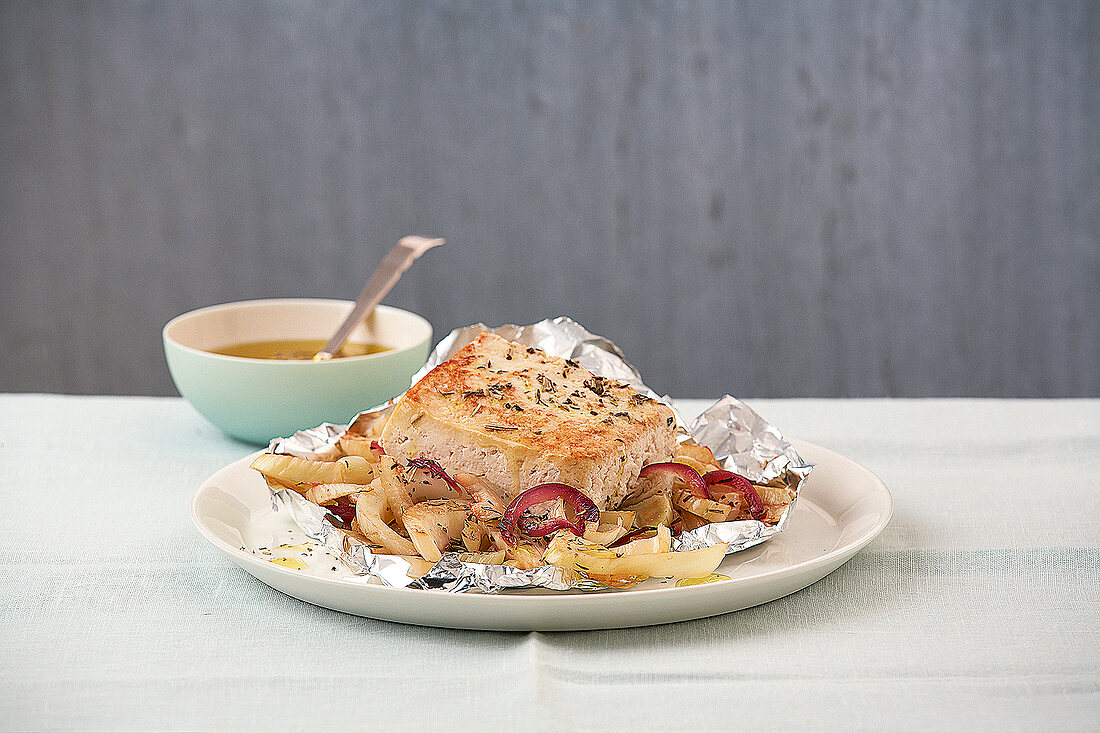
[770, 199]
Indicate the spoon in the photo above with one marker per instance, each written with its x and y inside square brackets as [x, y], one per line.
[381, 282]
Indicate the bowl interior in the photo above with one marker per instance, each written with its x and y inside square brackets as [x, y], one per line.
[293, 318]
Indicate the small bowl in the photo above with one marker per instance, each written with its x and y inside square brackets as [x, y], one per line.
[260, 399]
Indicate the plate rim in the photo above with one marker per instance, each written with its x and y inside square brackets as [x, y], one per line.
[238, 556]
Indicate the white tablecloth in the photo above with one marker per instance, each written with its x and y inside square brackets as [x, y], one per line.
[977, 608]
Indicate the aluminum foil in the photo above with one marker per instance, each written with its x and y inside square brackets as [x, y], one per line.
[742, 440]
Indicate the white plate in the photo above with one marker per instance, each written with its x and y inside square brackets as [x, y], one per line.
[842, 507]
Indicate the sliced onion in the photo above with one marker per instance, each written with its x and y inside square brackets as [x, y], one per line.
[636, 534]
[736, 482]
[437, 471]
[541, 529]
[583, 511]
[687, 474]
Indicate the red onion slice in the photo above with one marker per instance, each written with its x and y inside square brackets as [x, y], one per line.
[345, 513]
[687, 474]
[583, 510]
[735, 481]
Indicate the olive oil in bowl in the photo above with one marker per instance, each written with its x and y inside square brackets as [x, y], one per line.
[295, 349]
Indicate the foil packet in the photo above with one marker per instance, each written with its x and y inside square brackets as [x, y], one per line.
[740, 439]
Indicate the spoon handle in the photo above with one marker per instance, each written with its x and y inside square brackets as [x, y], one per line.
[381, 282]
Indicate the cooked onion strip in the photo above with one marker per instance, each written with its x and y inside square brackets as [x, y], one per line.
[299, 473]
[433, 524]
[394, 489]
[708, 509]
[524, 556]
[655, 510]
[661, 541]
[485, 558]
[623, 517]
[487, 506]
[698, 453]
[604, 534]
[359, 445]
[369, 508]
[324, 493]
[418, 566]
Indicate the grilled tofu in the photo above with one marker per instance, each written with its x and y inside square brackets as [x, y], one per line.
[518, 417]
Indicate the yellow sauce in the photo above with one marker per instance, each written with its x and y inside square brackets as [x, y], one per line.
[712, 578]
[294, 349]
[289, 562]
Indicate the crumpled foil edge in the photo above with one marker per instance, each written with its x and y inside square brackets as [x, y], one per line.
[741, 440]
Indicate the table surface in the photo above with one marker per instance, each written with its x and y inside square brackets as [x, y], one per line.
[977, 608]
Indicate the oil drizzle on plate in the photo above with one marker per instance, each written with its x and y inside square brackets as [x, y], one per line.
[712, 578]
[289, 562]
[295, 548]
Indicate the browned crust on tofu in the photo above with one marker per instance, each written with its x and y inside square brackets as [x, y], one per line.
[534, 409]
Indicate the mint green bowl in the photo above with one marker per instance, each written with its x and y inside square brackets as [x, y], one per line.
[260, 399]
